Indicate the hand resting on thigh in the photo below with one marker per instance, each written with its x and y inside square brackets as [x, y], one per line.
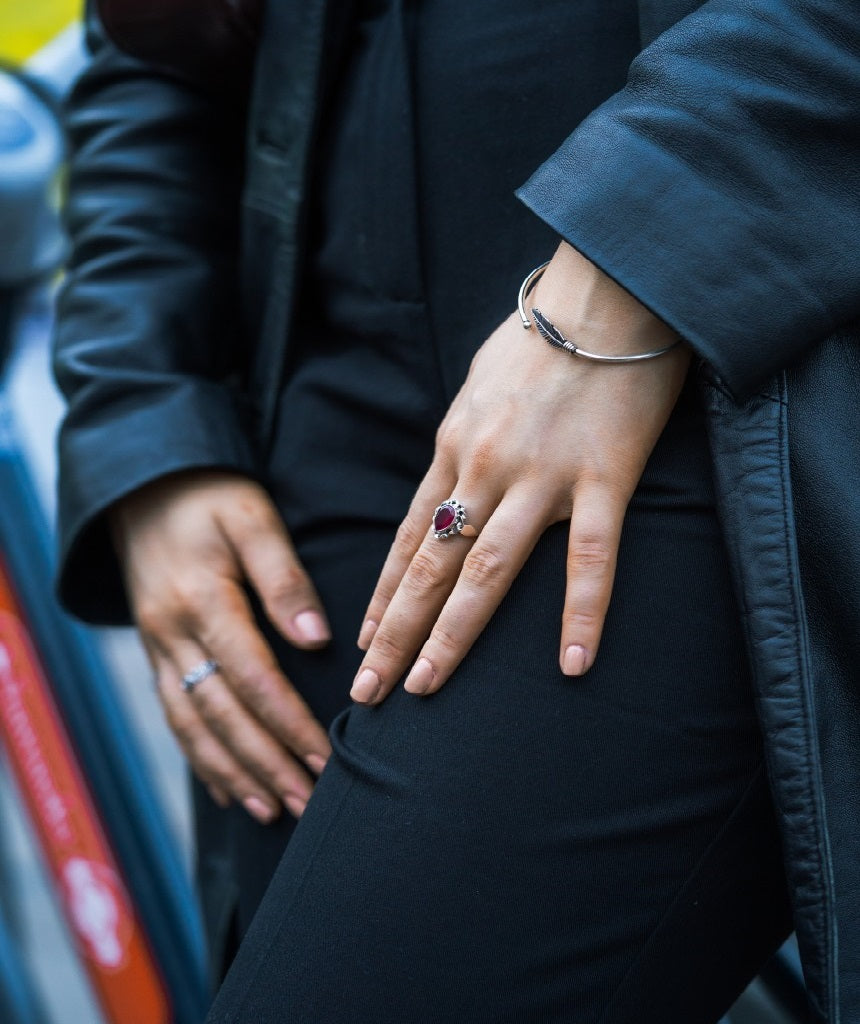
[535, 436]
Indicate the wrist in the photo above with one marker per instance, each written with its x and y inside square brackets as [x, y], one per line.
[592, 309]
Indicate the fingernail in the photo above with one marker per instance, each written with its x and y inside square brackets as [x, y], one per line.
[312, 628]
[366, 634]
[366, 686]
[295, 805]
[573, 662]
[421, 676]
[316, 763]
[257, 809]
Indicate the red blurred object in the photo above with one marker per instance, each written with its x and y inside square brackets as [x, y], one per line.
[93, 895]
[210, 42]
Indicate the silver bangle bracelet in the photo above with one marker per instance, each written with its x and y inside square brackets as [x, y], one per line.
[550, 333]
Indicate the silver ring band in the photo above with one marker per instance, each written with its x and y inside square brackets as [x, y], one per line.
[199, 673]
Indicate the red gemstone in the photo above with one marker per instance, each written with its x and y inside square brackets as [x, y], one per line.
[444, 518]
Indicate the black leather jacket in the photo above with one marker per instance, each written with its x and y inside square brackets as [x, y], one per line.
[721, 187]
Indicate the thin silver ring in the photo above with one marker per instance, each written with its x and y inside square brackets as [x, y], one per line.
[200, 672]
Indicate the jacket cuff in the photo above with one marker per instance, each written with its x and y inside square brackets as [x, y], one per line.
[193, 425]
[693, 254]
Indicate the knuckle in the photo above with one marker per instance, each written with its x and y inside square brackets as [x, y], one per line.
[242, 786]
[256, 686]
[287, 585]
[296, 735]
[274, 772]
[255, 761]
[408, 536]
[591, 554]
[445, 639]
[582, 619]
[603, 481]
[424, 573]
[484, 567]
[189, 600]
[485, 454]
[182, 728]
[206, 774]
[218, 712]
[152, 617]
[295, 726]
[250, 510]
[230, 778]
[245, 682]
[212, 764]
[224, 629]
[445, 438]
[284, 778]
[385, 591]
[387, 646]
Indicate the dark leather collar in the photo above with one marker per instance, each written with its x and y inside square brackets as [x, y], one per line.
[210, 42]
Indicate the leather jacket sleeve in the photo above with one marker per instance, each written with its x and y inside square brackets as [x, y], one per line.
[721, 186]
[147, 349]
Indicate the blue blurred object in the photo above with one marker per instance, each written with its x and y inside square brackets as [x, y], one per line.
[19, 1003]
[104, 744]
[105, 747]
[31, 155]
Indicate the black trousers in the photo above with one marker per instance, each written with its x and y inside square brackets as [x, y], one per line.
[520, 847]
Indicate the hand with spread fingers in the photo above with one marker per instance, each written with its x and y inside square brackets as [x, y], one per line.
[188, 544]
[536, 435]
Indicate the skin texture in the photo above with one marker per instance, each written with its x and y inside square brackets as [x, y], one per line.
[188, 542]
[527, 442]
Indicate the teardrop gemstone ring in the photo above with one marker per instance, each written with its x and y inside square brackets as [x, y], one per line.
[449, 519]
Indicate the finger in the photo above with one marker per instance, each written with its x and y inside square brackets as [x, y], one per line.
[220, 796]
[595, 532]
[267, 556]
[425, 585]
[253, 746]
[488, 570]
[230, 635]
[208, 758]
[411, 534]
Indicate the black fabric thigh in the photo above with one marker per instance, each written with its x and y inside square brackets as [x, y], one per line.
[522, 847]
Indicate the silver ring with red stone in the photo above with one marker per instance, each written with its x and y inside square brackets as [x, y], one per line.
[449, 519]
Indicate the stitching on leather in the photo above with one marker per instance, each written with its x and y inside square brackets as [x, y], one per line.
[825, 909]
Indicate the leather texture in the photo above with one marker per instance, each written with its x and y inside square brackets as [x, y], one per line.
[720, 187]
[751, 468]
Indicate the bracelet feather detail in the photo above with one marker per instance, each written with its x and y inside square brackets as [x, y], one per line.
[551, 334]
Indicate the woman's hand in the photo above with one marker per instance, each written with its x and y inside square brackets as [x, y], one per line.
[535, 436]
[188, 543]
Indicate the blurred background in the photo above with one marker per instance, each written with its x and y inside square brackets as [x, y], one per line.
[98, 923]
[75, 945]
